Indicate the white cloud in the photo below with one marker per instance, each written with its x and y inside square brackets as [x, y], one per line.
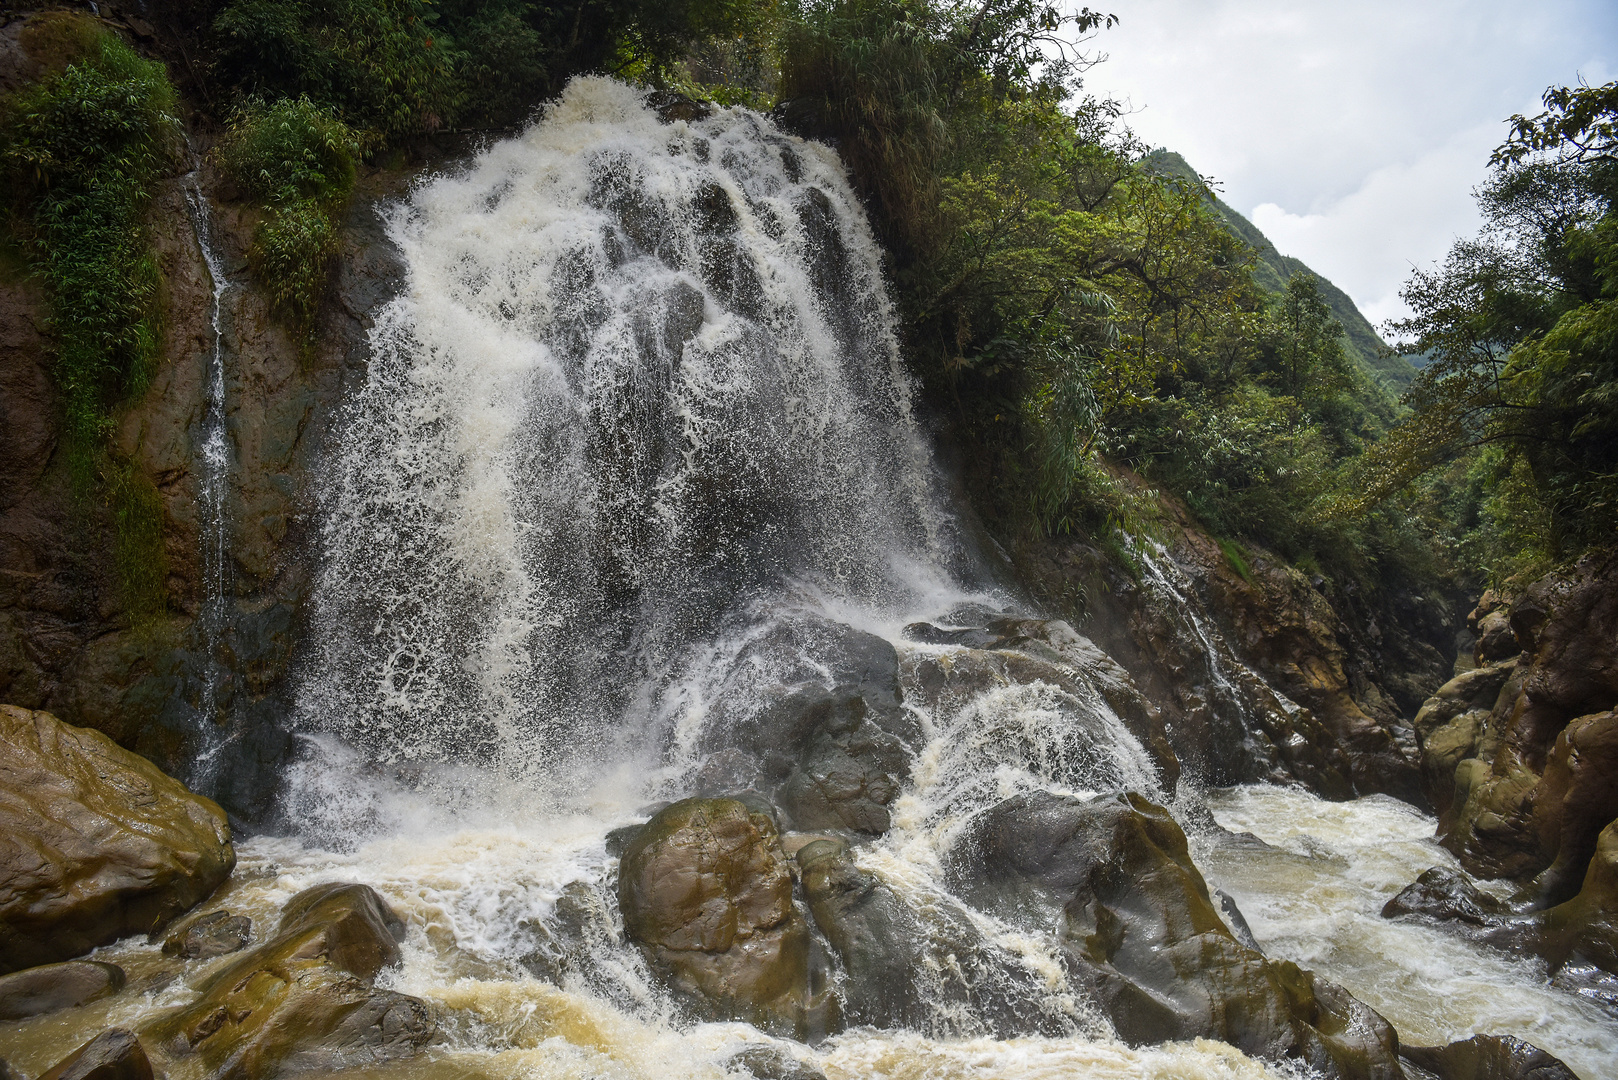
[1352, 133]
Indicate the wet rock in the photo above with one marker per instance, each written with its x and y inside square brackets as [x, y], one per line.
[1488, 1057]
[671, 105]
[1140, 930]
[847, 775]
[303, 1001]
[115, 1054]
[1027, 651]
[57, 986]
[562, 941]
[214, 934]
[1443, 894]
[832, 750]
[706, 891]
[769, 1063]
[870, 928]
[1576, 797]
[1583, 932]
[95, 842]
[904, 968]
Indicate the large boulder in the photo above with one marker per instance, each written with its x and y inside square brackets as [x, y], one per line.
[1444, 895]
[305, 1001]
[706, 891]
[1007, 652]
[96, 843]
[903, 968]
[1113, 874]
[812, 719]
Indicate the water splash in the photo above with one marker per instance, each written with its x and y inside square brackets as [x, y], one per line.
[643, 377]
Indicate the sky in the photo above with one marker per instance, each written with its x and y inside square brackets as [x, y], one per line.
[1352, 134]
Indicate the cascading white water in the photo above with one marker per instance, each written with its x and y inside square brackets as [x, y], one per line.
[643, 377]
[1314, 891]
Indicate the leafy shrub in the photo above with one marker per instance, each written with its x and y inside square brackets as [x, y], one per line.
[298, 161]
[82, 149]
[379, 64]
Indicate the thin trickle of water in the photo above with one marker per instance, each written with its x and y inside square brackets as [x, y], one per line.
[214, 467]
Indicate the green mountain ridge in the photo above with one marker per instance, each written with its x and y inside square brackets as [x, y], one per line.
[1274, 270]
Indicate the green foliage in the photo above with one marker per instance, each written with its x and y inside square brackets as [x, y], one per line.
[1522, 325]
[379, 64]
[298, 161]
[395, 70]
[1063, 295]
[82, 149]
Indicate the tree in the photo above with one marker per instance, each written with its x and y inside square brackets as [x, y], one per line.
[1521, 324]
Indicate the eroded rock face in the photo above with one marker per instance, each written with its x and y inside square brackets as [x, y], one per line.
[303, 1002]
[1258, 675]
[1584, 930]
[1488, 1057]
[1451, 724]
[1539, 779]
[706, 891]
[1141, 931]
[96, 843]
[52, 987]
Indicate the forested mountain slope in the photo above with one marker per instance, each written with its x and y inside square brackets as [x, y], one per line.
[1273, 270]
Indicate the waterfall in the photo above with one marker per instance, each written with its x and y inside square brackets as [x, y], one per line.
[642, 390]
[213, 525]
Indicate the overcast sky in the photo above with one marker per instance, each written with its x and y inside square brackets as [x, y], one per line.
[1351, 133]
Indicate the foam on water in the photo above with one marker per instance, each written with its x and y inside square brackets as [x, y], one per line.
[1316, 896]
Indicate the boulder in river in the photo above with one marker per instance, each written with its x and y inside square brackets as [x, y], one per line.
[115, 1054]
[96, 843]
[1488, 1057]
[52, 987]
[1443, 894]
[214, 934]
[706, 891]
[1115, 876]
[303, 1002]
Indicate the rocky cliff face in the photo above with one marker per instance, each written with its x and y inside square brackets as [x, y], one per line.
[1522, 752]
[1259, 673]
[68, 642]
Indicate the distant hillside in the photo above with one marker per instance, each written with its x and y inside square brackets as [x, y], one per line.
[1274, 270]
